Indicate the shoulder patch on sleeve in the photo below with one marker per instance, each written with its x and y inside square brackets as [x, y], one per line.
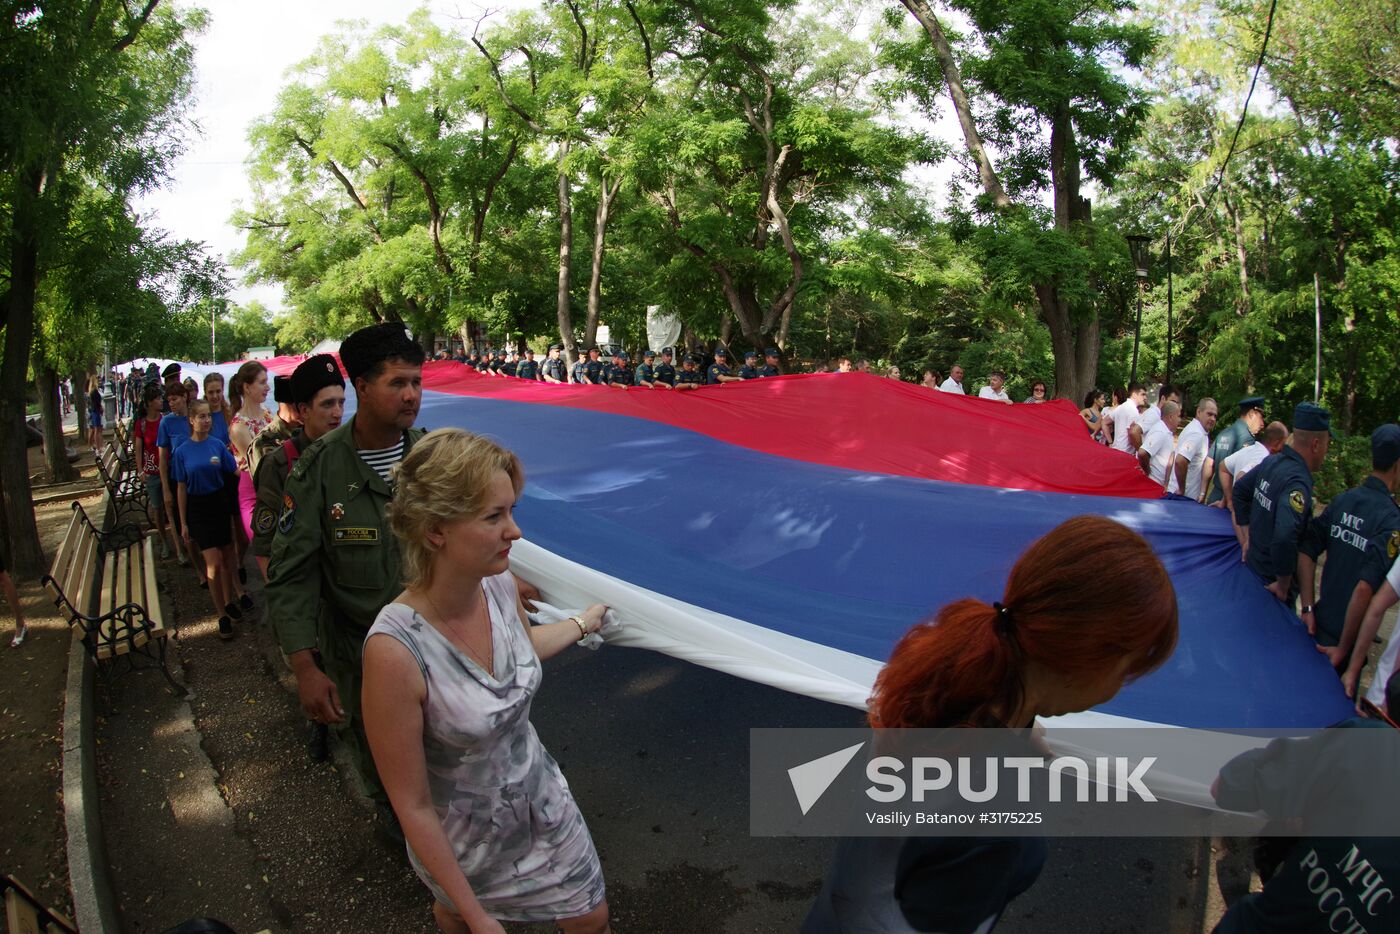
[1392, 546]
[263, 519]
[1295, 500]
[307, 458]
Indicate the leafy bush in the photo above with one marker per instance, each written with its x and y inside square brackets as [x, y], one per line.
[1348, 463]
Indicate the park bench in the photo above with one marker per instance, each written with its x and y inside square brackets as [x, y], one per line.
[125, 487]
[25, 914]
[105, 584]
[121, 435]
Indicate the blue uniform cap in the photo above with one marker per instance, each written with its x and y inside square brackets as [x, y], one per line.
[667, 352]
[690, 358]
[751, 355]
[770, 352]
[648, 354]
[1310, 417]
[721, 352]
[620, 355]
[1385, 446]
[1251, 402]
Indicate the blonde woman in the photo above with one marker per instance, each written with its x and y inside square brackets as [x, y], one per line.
[246, 393]
[450, 670]
[94, 404]
[218, 407]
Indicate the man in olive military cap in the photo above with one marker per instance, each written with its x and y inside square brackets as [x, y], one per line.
[1239, 435]
[1274, 500]
[335, 563]
[1360, 532]
[316, 393]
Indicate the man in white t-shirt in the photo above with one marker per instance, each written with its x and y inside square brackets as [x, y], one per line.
[1247, 458]
[995, 391]
[1158, 439]
[954, 381]
[1385, 598]
[1192, 464]
[1125, 414]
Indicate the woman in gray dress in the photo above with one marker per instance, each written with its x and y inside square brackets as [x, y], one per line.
[450, 669]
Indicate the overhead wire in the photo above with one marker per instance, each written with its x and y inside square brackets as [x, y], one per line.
[1244, 111]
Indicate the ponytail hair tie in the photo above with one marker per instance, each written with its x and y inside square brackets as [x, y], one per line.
[1004, 621]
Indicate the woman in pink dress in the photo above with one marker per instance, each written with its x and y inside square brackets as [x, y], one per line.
[246, 393]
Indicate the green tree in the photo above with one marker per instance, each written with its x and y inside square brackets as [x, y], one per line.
[95, 90]
[1046, 83]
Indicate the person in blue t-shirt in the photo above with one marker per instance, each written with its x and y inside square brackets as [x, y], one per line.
[174, 431]
[1046, 649]
[218, 406]
[203, 468]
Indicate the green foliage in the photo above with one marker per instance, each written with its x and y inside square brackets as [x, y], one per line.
[1348, 463]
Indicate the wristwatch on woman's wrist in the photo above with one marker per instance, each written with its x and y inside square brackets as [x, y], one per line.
[582, 629]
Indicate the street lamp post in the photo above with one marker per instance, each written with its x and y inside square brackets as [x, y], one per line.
[1168, 377]
[1137, 243]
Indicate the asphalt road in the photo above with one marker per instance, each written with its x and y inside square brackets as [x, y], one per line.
[656, 751]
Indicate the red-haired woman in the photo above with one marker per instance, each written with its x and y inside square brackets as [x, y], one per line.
[1047, 648]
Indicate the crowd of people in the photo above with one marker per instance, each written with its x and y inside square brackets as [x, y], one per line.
[386, 554]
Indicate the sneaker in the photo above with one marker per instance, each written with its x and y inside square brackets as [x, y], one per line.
[318, 743]
[245, 602]
[20, 634]
[164, 549]
[232, 611]
[225, 628]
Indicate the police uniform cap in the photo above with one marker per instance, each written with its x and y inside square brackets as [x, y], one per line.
[171, 370]
[1310, 417]
[667, 352]
[1385, 446]
[619, 355]
[770, 352]
[721, 352]
[751, 355]
[1251, 402]
[314, 374]
[556, 346]
[368, 347]
[282, 392]
[691, 358]
[648, 354]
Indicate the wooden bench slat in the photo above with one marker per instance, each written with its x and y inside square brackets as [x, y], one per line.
[152, 593]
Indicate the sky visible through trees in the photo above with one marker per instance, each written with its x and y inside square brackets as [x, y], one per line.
[913, 182]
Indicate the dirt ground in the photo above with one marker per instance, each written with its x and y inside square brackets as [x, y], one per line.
[31, 722]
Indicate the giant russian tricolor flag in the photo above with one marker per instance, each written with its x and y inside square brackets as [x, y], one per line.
[790, 530]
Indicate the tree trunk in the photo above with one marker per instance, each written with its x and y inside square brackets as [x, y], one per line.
[77, 381]
[1241, 256]
[1076, 339]
[51, 414]
[1349, 381]
[566, 248]
[26, 555]
[606, 194]
[952, 76]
